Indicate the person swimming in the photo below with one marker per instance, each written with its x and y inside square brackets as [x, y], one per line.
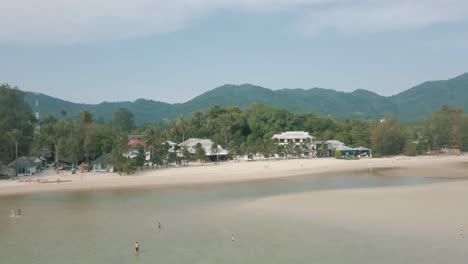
[137, 247]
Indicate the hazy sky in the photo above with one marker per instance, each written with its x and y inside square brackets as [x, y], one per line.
[107, 50]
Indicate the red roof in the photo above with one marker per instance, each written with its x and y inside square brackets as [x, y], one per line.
[134, 143]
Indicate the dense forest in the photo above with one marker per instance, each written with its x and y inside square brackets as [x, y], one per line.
[409, 106]
[83, 139]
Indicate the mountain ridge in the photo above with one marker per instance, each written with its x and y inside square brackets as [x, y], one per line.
[409, 105]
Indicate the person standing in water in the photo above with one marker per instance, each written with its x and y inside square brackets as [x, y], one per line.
[19, 212]
[137, 247]
[159, 226]
[12, 212]
[233, 238]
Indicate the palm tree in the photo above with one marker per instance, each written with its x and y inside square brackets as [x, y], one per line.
[226, 130]
[173, 131]
[152, 139]
[14, 135]
[215, 150]
[182, 127]
[200, 152]
[186, 154]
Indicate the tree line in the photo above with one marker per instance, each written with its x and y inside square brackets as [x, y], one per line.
[82, 138]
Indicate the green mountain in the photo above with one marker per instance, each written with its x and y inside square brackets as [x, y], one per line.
[427, 97]
[410, 105]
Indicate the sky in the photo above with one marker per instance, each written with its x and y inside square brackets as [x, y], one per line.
[104, 50]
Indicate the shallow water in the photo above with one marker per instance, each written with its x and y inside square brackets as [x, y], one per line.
[197, 224]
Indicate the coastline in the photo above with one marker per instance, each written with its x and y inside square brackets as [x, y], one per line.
[448, 167]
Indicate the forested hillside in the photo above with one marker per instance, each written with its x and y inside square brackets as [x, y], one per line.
[409, 105]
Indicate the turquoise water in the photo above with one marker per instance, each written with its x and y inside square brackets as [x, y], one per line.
[197, 224]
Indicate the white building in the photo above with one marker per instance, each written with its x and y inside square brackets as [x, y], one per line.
[334, 144]
[297, 137]
[191, 143]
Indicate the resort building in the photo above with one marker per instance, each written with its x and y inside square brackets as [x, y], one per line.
[363, 152]
[22, 166]
[320, 148]
[297, 137]
[334, 144]
[206, 144]
[134, 145]
[345, 151]
[172, 146]
[101, 164]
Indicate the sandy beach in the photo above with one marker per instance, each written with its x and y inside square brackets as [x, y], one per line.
[435, 211]
[427, 166]
[431, 211]
[333, 218]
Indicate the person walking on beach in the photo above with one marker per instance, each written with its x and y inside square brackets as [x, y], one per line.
[19, 212]
[137, 247]
[12, 212]
[233, 238]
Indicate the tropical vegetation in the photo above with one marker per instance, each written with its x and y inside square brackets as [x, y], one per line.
[81, 139]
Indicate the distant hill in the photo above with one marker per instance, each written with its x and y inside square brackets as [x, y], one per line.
[410, 105]
[427, 97]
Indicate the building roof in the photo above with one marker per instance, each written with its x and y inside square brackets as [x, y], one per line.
[135, 136]
[318, 142]
[293, 135]
[206, 144]
[171, 143]
[335, 142]
[23, 162]
[362, 149]
[343, 148]
[103, 159]
[134, 143]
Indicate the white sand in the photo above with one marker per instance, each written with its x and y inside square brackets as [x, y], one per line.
[447, 166]
[436, 210]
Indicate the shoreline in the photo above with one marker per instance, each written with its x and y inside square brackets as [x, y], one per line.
[444, 167]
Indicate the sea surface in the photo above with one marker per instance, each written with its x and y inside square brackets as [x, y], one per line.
[197, 225]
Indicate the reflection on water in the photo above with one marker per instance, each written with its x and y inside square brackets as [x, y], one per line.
[197, 225]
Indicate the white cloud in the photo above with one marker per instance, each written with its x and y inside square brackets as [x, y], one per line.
[380, 16]
[75, 21]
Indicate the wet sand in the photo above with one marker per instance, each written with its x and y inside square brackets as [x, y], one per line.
[427, 166]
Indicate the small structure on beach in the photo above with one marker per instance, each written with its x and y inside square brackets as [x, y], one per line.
[22, 166]
[39, 163]
[363, 152]
[346, 151]
[101, 164]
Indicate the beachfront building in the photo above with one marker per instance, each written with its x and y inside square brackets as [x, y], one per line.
[101, 164]
[134, 145]
[346, 151]
[211, 154]
[173, 147]
[299, 141]
[39, 163]
[22, 166]
[296, 137]
[363, 152]
[334, 144]
[320, 148]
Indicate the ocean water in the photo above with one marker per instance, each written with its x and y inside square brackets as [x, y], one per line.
[197, 225]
